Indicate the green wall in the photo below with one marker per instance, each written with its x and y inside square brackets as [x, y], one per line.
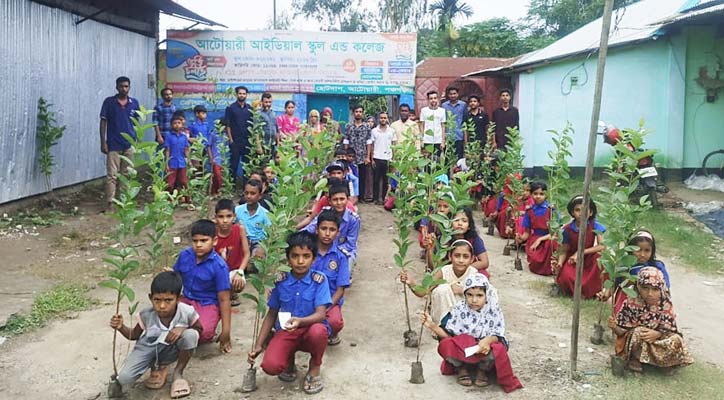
[704, 122]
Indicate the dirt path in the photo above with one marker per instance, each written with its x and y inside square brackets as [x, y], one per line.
[70, 359]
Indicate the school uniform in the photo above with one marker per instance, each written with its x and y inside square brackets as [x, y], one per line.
[335, 267]
[348, 233]
[300, 297]
[536, 220]
[202, 282]
[592, 281]
[176, 143]
[210, 140]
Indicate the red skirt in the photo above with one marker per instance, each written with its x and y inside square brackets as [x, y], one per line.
[501, 226]
[454, 347]
[591, 282]
[489, 206]
[539, 260]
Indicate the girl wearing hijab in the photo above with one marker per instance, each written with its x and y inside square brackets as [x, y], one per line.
[645, 327]
[475, 324]
[328, 118]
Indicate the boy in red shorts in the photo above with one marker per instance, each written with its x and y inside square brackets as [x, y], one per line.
[233, 246]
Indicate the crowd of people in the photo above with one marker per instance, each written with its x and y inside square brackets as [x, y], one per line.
[191, 300]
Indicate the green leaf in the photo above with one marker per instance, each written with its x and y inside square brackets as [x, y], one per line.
[110, 284]
[630, 292]
[128, 292]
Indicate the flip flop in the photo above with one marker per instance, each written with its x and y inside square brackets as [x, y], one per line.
[481, 379]
[288, 376]
[180, 388]
[334, 340]
[464, 380]
[157, 378]
[312, 384]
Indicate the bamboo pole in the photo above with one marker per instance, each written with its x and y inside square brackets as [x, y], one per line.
[583, 220]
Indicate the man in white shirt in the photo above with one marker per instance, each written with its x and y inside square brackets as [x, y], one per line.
[402, 125]
[379, 154]
[432, 123]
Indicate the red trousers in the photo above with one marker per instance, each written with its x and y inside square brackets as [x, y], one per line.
[309, 339]
[335, 320]
[176, 178]
[209, 317]
[216, 179]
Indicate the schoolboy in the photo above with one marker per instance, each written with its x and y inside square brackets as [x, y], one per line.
[338, 170]
[233, 246]
[206, 283]
[349, 226]
[254, 217]
[177, 153]
[351, 155]
[266, 199]
[322, 201]
[200, 129]
[167, 331]
[334, 265]
[305, 295]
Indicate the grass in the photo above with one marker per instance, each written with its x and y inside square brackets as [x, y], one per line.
[34, 218]
[58, 301]
[589, 308]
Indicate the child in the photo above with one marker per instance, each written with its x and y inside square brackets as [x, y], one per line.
[166, 332]
[645, 327]
[233, 246]
[254, 217]
[338, 170]
[200, 129]
[475, 321]
[177, 153]
[464, 228]
[539, 246]
[645, 257]
[509, 217]
[429, 231]
[348, 228]
[323, 200]
[266, 199]
[444, 296]
[334, 265]
[304, 294]
[351, 154]
[206, 283]
[592, 282]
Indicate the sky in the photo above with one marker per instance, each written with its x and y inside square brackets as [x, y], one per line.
[254, 14]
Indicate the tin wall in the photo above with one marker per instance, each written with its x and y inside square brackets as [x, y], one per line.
[72, 66]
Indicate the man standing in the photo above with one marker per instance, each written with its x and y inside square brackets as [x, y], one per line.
[357, 136]
[457, 109]
[504, 117]
[116, 114]
[432, 123]
[238, 118]
[379, 154]
[403, 124]
[271, 130]
[162, 115]
[477, 118]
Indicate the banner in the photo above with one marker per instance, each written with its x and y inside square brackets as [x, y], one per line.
[286, 61]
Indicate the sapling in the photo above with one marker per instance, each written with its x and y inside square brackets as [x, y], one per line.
[199, 189]
[621, 216]
[511, 167]
[559, 174]
[228, 189]
[259, 152]
[489, 174]
[48, 134]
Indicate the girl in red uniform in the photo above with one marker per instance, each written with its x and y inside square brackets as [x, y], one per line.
[539, 248]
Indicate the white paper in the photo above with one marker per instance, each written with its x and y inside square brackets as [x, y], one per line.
[284, 318]
[471, 350]
[161, 338]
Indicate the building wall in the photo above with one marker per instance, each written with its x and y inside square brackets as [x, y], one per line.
[641, 82]
[72, 66]
[704, 121]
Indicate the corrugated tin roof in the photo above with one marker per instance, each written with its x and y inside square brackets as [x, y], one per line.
[632, 23]
[457, 66]
[713, 8]
[176, 10]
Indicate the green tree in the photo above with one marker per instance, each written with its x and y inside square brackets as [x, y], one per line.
[561, 17]
[336, 15]
[447, 11]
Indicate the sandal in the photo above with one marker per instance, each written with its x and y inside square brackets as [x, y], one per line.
[334, 340]
[157, 378]
[235, 300]
[180, 388]
[288, 375]
[312, 384]
[464, 379]
[481, 379]
[635, 366]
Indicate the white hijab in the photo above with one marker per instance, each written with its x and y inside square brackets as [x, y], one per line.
[488, 321]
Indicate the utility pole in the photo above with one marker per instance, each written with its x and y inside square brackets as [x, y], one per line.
[583, 220]
[274, 18]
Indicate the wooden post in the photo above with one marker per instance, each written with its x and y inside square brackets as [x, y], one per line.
[583, 220]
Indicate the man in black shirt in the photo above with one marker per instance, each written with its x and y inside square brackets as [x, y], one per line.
[238, 119]
[478, 118]
[504, 117]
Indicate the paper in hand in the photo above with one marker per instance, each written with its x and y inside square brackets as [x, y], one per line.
[284, 318]
[469, 351]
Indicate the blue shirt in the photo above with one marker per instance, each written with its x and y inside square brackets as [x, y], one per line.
[457, 110]
[270, 127]
[574, 227]
[348, 232]
[300, 297]
[239, 119]
[208, 137]
[539, 210]
[203, 281]
[335, 266]
[254, 224]
[355, 170]
[478, 245]
[162, 117]
[119, 121]
[354, 182]
[656, 264]
[176, 143]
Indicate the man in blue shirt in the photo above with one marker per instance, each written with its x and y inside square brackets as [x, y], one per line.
[301, 297]
[238, 119]
[116, 114]
[457, 108]
[271, 129]
[162, 115]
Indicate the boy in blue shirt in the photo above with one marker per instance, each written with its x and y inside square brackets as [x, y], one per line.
[206, 282]
[334, 265]
[165, 333]
[303, 294]
[177, 152]
[348, 228]
[200, 128]
[254, 217]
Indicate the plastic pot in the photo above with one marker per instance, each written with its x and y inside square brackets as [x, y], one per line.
[485, 222]
[249, 383]
[491, 229]
[518, 264]
[411, 339]
[597, 336]
[506, 250]
[416, 375]
[115, 390]
[618, 366]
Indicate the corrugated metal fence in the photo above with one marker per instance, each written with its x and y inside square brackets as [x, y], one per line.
[72, 66]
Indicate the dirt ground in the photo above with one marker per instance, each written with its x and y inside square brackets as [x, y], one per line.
[71, 358]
